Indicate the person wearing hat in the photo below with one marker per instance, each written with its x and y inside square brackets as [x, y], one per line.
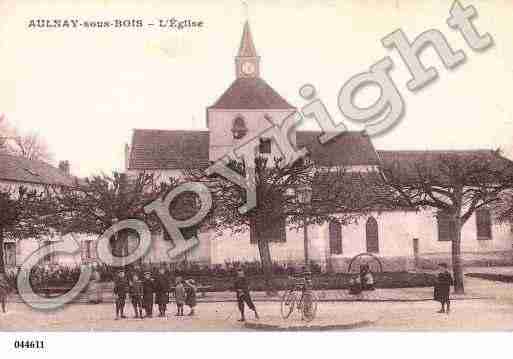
[120, 291]
[190, 298]
[162, 291]
[180, 296]
[136, 295]
[443, 287]
[241, 287]
[148, 289]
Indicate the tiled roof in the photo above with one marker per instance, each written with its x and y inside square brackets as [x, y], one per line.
[163, 149]
[20, 169]
[348, 149]
[407, 162]
[168, 149]
[251, 93]
[365, 191]
[247, 48]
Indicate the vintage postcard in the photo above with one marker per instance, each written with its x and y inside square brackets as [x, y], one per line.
[171, 166]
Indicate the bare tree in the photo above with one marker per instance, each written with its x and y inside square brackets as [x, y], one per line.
[93, 205]
[455, 183]
[334, 197]
[30, 145]
[25, 144]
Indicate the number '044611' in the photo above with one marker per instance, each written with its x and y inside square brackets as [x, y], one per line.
[28, 344]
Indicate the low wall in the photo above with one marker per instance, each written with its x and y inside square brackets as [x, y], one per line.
[424, 261]
[487, 259]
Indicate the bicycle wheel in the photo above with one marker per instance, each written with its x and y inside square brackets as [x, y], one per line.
[288, 301]
[309, 306]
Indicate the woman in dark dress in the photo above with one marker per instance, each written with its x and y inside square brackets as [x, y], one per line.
[148, 290]
[443, 288]
[162, 288]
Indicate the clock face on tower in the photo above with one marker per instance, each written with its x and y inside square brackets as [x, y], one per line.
[248, 68]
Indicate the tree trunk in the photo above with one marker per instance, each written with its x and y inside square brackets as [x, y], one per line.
[2, 263]
[265, 258]
[456, 259]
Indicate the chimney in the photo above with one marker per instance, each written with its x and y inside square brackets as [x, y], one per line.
[64, 167]
[127, 156]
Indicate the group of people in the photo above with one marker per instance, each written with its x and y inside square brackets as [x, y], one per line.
[362, 281]
[149, 290]
[146, 290]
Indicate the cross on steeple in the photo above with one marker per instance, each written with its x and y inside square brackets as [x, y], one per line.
[246, 10]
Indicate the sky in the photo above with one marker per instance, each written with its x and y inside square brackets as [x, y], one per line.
[85, 90]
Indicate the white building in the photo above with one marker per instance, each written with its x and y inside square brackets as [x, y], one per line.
[18, 171]
[247, 108]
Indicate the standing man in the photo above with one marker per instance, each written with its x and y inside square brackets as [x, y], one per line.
[243, 296]
[443, 288]
[4, 291]
[148, 289]
[162, 291]
[120, 291]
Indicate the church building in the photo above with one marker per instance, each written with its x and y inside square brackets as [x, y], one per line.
[400, 239]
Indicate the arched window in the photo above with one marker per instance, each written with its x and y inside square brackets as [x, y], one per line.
[239, 128]
[483, 224]
[371, 235]
[335, 233]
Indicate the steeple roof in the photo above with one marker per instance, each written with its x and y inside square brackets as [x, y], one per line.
[247, 47]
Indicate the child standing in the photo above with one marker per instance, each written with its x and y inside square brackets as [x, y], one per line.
[120, 291]
[95, 291]
[136, 295]
[180, 296]
[190, 290]
[443, 288]
[241, 287]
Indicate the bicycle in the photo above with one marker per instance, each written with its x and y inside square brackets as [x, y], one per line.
[301, 297]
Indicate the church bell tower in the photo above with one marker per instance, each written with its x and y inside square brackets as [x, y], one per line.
[247, 61]
[248, 107]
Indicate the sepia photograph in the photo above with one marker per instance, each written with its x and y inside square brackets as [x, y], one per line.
[237, 168]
